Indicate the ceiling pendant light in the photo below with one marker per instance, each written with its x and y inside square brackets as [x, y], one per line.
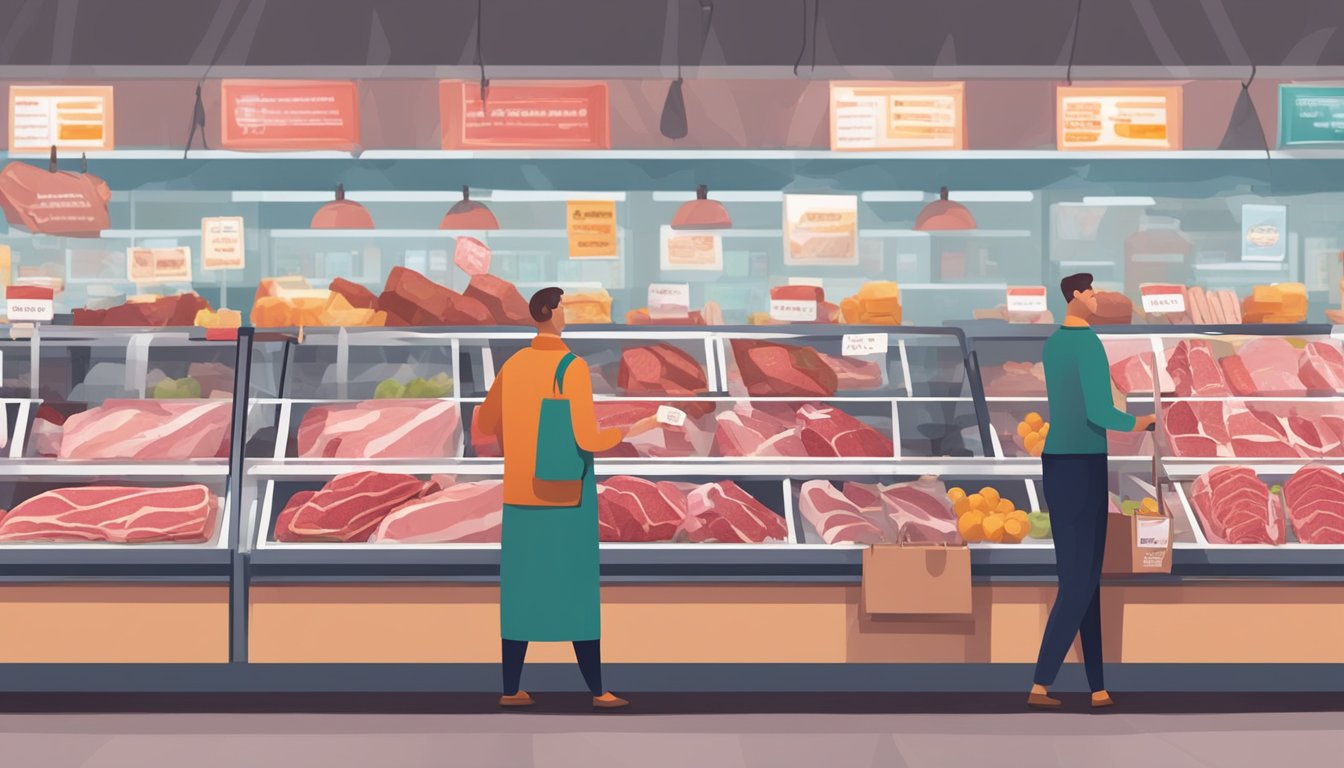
[673, 123]
[944, 215]
[1244, 130]
[468, 214]
[342, 214]
[702, 213]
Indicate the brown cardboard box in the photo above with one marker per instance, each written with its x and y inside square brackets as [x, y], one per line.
[917, 579]
[1137, 544]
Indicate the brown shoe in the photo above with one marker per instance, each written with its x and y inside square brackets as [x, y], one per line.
[1042, 701]
[519, 699]
[609, 700]
[1103, 701]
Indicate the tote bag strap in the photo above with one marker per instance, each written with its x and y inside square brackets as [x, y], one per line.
[558, 385]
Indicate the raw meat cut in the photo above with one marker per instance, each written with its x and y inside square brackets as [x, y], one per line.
[1195, 372]
[836, 518]
[829, 432]
[459, 512]
[410, 298]
[920, 512]
[381, 429]
[660, 369]
[854, 373]
[646, 437]
[149, 430]
[184, 513]
[1264, 367]
[1257, 433]
[1322, 368]
[505, 304]
[765, 430]
[1197, 429]
[1134, 374]
[634, 509]
[723, 512]
[1315, 500]
[1016, 379]
[348, 508]
[162, 311]
[868, 498]
[1235, 507]
[357, 295]
[1113, 308]
[768, 369]
[53, 202]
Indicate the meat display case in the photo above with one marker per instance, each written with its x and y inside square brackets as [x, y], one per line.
[1141, 464]
[915, 401]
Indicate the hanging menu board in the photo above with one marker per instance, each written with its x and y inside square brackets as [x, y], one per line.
[289, 114]
[1311, 114]
[1118, 118]
[525, 115]
[77, 117]
[895, 116]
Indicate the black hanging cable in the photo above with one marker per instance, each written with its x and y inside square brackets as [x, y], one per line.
[1073, 44]
[802, 47]
[198, 109]
[1246, 89]
[816, 14]
[480, 59]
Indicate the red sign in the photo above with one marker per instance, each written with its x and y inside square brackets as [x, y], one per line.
[525, 115]
[289, 114]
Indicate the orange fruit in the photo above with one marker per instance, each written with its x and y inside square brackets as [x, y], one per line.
[971, 526]
[1044, 430]
[991, 497]
[977, 502]
[1004, 507]
[1023, 429]
[993, 528]
[961, 506]
[1032, 440]
[1015, 529]
[1035, 420]
[955, 494]
[1038, 449]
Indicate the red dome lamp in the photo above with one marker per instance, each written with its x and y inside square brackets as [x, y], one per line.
[702, 213]
[944, 215]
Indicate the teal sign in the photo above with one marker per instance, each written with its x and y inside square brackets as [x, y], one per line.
[1311, 114]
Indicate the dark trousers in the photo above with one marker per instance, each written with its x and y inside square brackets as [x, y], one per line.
[588, 653]
[1076, 495]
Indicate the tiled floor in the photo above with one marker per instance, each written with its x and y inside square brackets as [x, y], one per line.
[681, 731]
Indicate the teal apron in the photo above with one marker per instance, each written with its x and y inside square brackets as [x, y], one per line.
[548, 568]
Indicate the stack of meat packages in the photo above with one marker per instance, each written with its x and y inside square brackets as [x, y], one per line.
[379, 507]
[855, 513]
[1234, 506]
[1263, 367]
[773, 428]
[631, 509]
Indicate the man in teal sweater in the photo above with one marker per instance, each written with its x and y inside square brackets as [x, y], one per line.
[1074, 472]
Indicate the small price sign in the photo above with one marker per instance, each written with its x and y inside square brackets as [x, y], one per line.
[861, 344]
[793, 311]
[669, 300]
[672, 417]
[1026, 298]
[29, 303]
[1159, 298]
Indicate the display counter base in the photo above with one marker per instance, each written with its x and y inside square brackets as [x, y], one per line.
[670, 678]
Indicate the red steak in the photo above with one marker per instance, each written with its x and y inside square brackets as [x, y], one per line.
[768, 369]
[723, 512]
[767, 430]
[381, 429]
[358, 296]
[920, 512]
[1195, 372]
[1235, 507]
[1197, 428]
[348, 508]
[184, 513]
[830, 432]
[1322, 367]
[835, 516]
[853, 372]
[633, 509]
[413, 299]
[1264, 367]
[660, 369]
[646, 436]
[456, 512]
[1315, 498]
[501, 298]
[149, 430]
[1257, 433]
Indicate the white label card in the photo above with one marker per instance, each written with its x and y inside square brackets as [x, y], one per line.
[1026, 298]
[30, 310]
[669, 300]
[815, 282]
[1162, 298]
[861, 344]
[1154, 533]
[793, 311]
[670, 416]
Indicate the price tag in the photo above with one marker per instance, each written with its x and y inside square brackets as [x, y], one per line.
[158, 265]
[861, 344]
[1026, 298]
[471, 256]
[1154, 532]
[1159, 298]
[222, 243]
[29, 303]
[669, 300]
[670, 416]
[793, 311]
[815, 282]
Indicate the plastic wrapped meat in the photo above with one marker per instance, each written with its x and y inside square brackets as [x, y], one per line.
[348, 508]
[149, 430]
[723, 512]
[920, 512]
[116, 514]
[634, 509]
[459, 512]
[836, 517]
[381, 429]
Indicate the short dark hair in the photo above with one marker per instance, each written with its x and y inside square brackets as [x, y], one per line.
[1074, 283]
[544, 302]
